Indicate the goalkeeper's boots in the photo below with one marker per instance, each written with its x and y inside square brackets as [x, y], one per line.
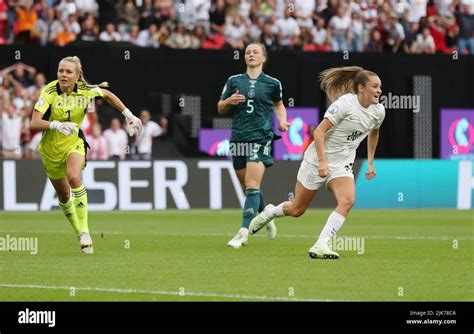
[86, 243]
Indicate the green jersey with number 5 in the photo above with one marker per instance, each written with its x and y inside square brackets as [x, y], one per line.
[252, 121]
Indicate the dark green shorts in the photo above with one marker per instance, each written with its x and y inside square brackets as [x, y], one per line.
[251, 152]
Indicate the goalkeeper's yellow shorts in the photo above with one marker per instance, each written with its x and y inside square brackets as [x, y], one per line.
[56, 170]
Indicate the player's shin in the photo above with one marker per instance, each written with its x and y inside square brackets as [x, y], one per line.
[69, 211]
[80, 202]
[251, 206]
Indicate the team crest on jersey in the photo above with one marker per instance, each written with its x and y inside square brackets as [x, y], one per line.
[333, 109]
[251, 93]
[252, 83]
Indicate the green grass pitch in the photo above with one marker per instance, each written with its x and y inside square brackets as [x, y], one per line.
[409, 255]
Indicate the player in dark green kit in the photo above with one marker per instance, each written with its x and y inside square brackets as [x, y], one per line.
[252, 97]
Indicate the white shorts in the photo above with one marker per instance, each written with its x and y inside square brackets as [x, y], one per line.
[308, 175]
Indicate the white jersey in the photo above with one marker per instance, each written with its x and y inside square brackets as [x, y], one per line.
[352, 123]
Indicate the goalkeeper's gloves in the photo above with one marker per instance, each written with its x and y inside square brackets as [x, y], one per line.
[134, 124]
[66, 128]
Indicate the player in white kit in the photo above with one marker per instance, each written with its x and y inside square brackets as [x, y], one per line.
[355, 114]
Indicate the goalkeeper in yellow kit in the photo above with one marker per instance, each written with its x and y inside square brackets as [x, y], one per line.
[59, 112]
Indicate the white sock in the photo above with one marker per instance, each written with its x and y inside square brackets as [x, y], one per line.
[276, 212]
[333, 224]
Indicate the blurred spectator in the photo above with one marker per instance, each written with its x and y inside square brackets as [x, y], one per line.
[179, 38]
[39, 83]
[32, 147]
[109, 34]
[12, 126]
[320, 36]
[410, 39]
[3, 21]
[235, 33]
[21, 72]
[89, 29]
[425, 42]
[151, 129]
[287, 31]
[132, 36]
[46, 26]
[66, 8]
[26, 20]
[98, 144]
[217, 17]
[147, 14]
[357, 32]
[375, 41]
[268, 38]
[417, 10]
[117, 140]
[339, 30]
[129, 13]
[395, 34]
[198, 37]
[148, 37]
[304, 10]
[84, 7]
[465, 20]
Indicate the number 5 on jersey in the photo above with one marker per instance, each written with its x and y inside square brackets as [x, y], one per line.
[249, 106]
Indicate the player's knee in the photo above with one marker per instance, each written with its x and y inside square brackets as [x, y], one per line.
[74, 181]
[347, 202]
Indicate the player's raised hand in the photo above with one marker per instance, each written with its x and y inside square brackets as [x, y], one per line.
[323, 168]
[284, 126]
[134, 126]
[371, 173]
[236, 98]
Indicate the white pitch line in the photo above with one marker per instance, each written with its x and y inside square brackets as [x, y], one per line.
[290, 236]
[162, 292]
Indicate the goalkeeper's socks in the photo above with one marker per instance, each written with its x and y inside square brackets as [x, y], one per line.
[69, 211]
[80, 202]
[333, 224]
[252, 203]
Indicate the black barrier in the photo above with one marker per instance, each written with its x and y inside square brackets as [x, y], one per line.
[140, 75]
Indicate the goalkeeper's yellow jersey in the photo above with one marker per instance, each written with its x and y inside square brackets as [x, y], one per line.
[57, 106]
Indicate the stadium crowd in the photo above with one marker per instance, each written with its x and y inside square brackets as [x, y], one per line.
[410, 26]
[406, 26]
